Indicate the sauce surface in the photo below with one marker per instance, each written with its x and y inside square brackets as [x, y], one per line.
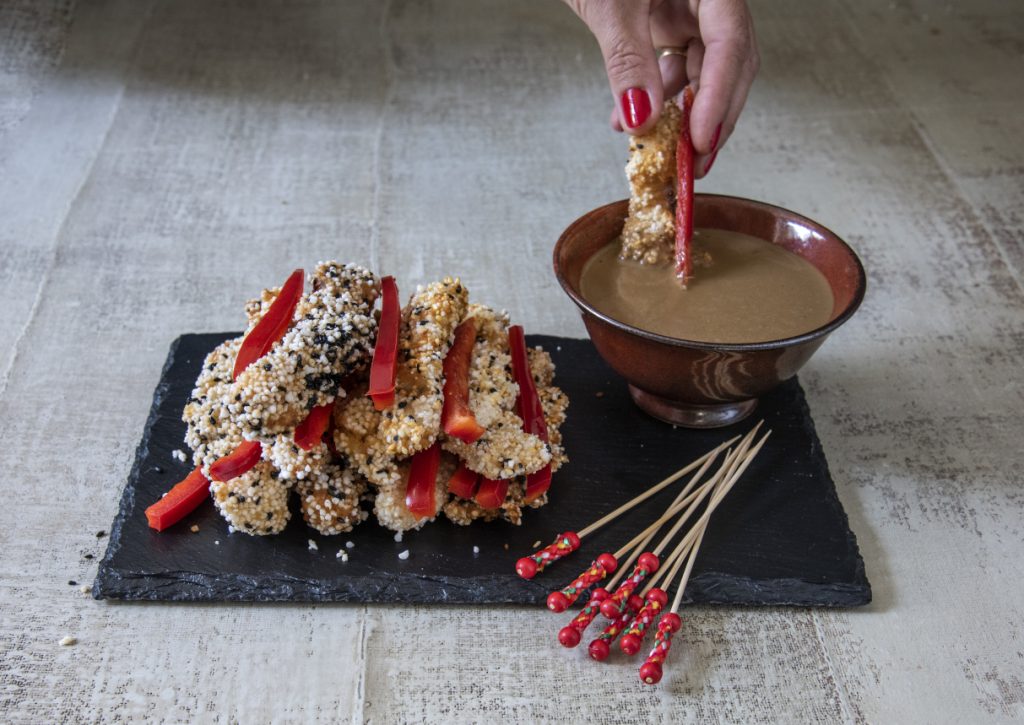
[750, 290]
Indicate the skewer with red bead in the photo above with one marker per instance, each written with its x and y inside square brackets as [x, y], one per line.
[651, 670]
[600, 648]
[648, 562]
[607, 563]
[566, 543]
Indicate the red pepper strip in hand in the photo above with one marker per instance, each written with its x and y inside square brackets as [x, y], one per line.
[180, 501]
[310, 432]
[234, 464]
[491, 493]
[457, 419]
[463, 482]
[384, 367]
[419, 490]
[529, 407]
[684, 192]
[272, 325]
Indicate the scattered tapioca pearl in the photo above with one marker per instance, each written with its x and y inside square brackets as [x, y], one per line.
[349, 545]
[398, 536]
[68, 641]
[476, 549]
[312, 545]
[341, 555]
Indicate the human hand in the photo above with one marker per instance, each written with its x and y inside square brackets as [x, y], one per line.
[721, 60]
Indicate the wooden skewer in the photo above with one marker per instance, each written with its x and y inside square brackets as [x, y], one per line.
[669, 623]
[654, 489]
[648, 562]
[567, 542]
[559, 601]
[655, 598]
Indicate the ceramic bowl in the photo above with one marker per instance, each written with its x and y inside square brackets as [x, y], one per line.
[700, 384]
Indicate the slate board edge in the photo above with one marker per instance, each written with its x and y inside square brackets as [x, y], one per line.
[106, 575]
[710, 588]
[860, 578]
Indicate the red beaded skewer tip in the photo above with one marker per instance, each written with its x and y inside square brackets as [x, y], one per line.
[646, 565]
[600, 648]
[529, 566]
[569, 635]
[602, 566]
[651, 670]
[634, 636]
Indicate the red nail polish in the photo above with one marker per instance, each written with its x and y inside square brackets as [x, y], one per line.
[714, 139]
[711, 160]
[636, 107]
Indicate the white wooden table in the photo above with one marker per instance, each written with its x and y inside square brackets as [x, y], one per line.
[161, 160]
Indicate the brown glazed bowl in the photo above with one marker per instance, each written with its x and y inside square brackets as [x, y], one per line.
[700, 384]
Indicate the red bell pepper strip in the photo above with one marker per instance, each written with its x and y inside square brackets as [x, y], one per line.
[419, 489]
[234, 464]
[463, 482]
[310, 432]
[272, 325]
[457, 418]
[180, 501]
[684, 192]
[384, 367]
[491, 493]
[529, 407]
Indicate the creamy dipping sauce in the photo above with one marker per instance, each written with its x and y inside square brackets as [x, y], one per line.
[750, 291]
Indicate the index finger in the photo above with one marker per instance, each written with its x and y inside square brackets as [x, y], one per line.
[730, 63]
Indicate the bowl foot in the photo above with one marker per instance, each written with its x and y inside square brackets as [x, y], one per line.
[690, 415]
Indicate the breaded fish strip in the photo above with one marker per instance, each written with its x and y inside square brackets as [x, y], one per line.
[373, 441]
[212, 432]
[648, 235]
[256, 502]
[329, 494]
[504, 450]
[332, 337]
[389, 505]
[428, 328]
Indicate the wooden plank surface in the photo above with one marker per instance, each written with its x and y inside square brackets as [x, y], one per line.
[161, 160]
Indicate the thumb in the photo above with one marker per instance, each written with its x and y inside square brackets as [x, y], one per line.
[623, 32]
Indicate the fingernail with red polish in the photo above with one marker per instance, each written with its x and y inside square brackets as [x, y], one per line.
[710, 161]
[714, 139]
[636, 107]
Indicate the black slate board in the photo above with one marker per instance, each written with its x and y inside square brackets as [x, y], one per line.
[780, 537]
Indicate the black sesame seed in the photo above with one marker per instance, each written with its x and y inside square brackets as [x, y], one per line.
[100, 534]
[268, 367]
[88, 556]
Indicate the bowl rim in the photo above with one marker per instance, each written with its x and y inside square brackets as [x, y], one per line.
[822, 331]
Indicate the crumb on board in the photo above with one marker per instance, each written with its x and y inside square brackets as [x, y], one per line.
[403, 555]
[536, 544]
[217, 542]
[311, 545]
[342, 554]
[178, 455]
[599, 394]
[476, 549]
[506, 546]
[398, 536]
[85, 589]
[68, 641]
[194, 528]
[350, 544]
